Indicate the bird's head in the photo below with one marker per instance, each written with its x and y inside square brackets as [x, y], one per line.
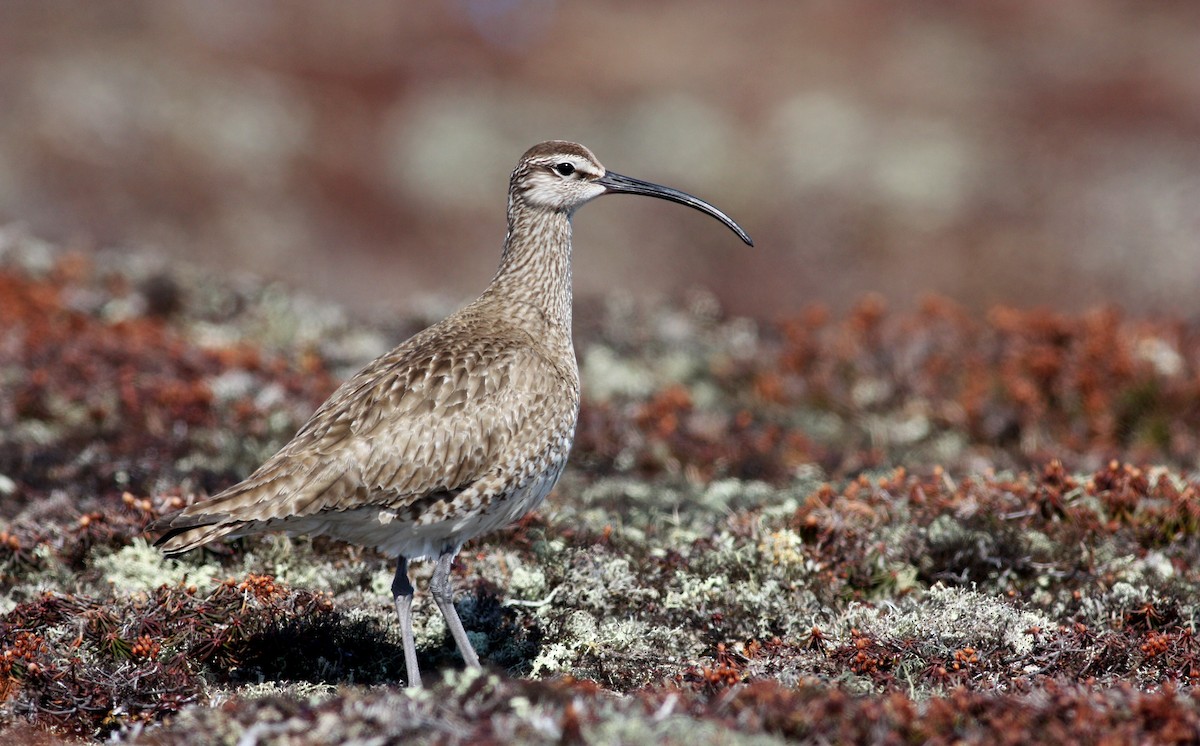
[562, 176]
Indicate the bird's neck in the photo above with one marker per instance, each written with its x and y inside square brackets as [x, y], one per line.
[534, 279]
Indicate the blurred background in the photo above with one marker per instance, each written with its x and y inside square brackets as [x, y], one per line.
[1015, 151]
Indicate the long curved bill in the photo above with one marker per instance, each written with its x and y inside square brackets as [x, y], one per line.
[618, 184]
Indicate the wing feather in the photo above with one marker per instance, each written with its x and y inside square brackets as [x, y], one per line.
[428, 418]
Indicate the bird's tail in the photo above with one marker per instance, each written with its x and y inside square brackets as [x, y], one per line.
[248, 507]
[203, 521]
[189, 534]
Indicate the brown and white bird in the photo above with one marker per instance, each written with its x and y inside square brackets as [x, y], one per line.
[460, 430]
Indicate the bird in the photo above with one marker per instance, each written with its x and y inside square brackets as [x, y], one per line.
[461, 429]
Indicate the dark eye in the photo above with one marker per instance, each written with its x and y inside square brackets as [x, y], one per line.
[564, 169]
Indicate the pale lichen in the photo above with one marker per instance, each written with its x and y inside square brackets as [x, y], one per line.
[141, 567]
[947, 618]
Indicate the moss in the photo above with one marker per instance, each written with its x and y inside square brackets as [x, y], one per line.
[949, 618]
[608, 376]
[603, 583]
[576, 632]
[297, 563]
[701, 571]
[141, 567]
[306, 691]
[675, 730]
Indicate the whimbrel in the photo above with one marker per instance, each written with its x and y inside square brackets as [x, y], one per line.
[462, 429]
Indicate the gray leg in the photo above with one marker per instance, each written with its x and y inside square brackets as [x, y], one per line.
[443, 596]
[402, 592]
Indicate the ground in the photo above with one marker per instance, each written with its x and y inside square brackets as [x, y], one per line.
[893, 526]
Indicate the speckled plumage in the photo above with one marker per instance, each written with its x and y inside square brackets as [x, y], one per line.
[463, 428]
[417, 451]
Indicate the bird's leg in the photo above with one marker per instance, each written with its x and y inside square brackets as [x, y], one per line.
[402, 592]
[443, 596]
